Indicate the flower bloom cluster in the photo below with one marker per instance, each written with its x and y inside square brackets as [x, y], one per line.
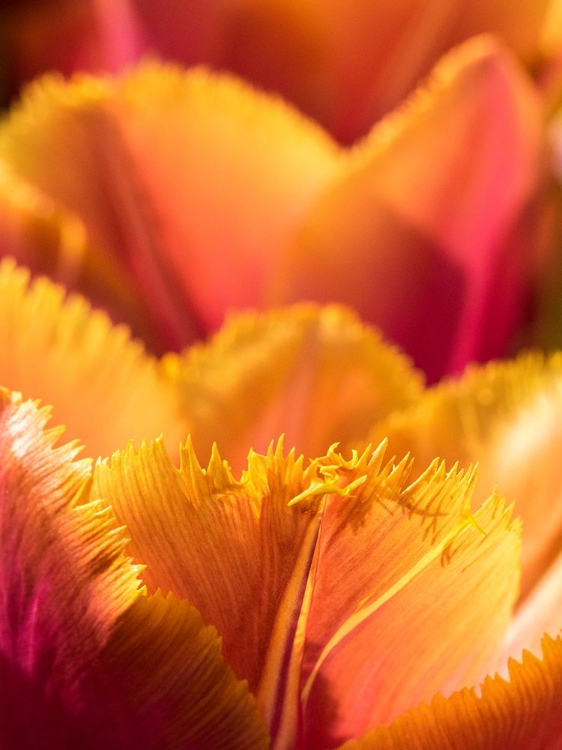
[280, 535]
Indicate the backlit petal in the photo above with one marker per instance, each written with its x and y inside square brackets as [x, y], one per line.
[410, 595]
[521, 713]
[86, 660]
[421, 234]
[327, 584]
[507, 416]
[230, 547]
[315, 375]
[199, 216]
[100, 383]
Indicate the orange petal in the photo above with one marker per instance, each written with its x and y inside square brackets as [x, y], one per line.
[198, 217]
[102, 385]
[507, 417]
[371, 648]
[314, 374]
[213, 540]
[310, 575]
[521, 713]
[421, 233]
[85, 659]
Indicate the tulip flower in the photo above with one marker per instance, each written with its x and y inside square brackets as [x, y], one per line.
[426, 228]
[359, 599]
[345, 65]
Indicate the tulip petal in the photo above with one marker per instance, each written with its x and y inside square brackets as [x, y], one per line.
[102, 385]
[507, 416]
[420, 233]
[212, 540]
[539, 613]
[521, 713]
[371, 649]
[184, 213]
[306, 573]
[344, 64]
[165, 666]
[86, 660]
[52, 241]
[315, 375]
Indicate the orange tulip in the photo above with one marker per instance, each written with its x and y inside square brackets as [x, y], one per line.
[185, 194]
[344, 64]
[359, 598]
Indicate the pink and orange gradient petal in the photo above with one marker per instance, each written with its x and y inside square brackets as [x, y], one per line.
[265, 558]
[393, 562]
[230, 547]
[344, 64]
[315, 375]
[422, 233]
[521, 713]
[100, 383]
[198, 217]
[506, 416]
[86, 660]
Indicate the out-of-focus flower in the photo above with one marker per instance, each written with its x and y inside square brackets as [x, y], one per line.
[344, 64]
[59, 35]
[347, 591]
[188, 194]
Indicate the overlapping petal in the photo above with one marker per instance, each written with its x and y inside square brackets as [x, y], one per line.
[506, 416]
[300, 568]
[423, 234]
[521, 713]
[100, 383]
[316, 375]
[52, 241]
[345, 64]
[199, 217]
[86, 659]
[245, 203]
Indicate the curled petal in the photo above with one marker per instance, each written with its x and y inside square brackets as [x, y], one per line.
[524, 712]
[52, 241]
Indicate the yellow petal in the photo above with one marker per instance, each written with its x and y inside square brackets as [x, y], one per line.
[421, 232]
[86, 660]
[328, 584]
[506, 416]
[314, 374]
[198, 217]
[410, 595]
[101, 385]
[521, 713]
